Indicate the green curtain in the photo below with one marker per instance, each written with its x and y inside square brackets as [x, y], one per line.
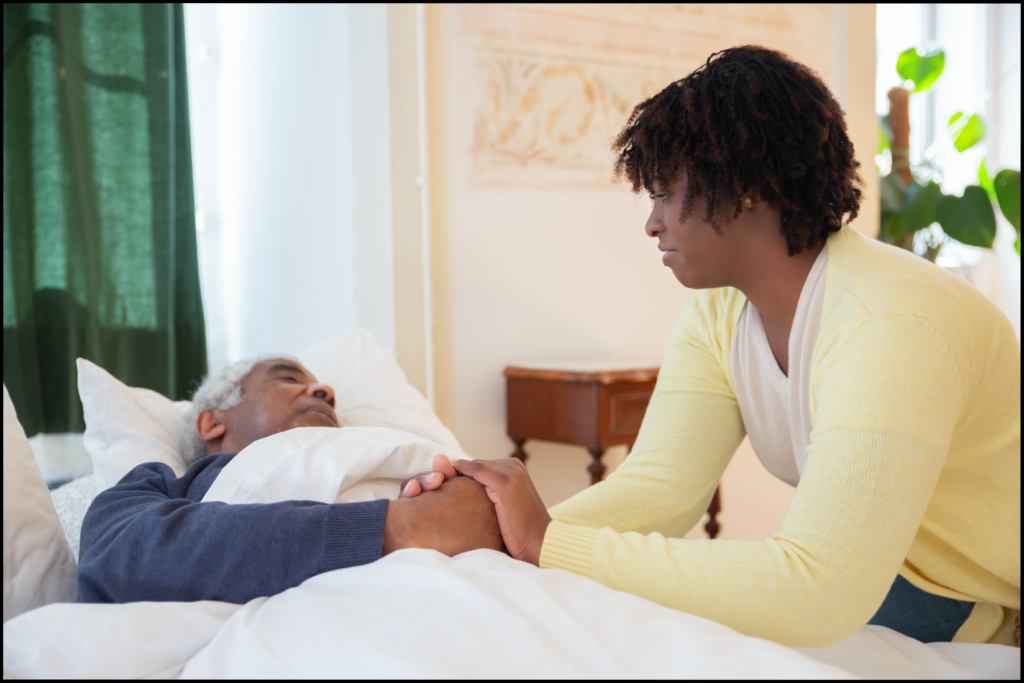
[99, 219]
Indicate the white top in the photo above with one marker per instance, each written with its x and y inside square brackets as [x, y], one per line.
[776, 409]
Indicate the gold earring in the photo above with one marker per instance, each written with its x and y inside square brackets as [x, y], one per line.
[748, 203]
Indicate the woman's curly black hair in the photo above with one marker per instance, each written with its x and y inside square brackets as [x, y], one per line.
[750, 122]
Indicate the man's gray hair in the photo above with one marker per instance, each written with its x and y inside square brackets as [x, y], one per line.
[221, 391]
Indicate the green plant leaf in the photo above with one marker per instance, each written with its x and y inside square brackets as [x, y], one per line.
[985, 181]
[923, 68]
[920, 205]
[966, 132]
[968, 219]
[1007, 188]
[891, 230]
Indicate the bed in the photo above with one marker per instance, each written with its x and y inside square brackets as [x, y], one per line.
[413, 613]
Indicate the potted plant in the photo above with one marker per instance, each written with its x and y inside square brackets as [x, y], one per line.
[916, 213]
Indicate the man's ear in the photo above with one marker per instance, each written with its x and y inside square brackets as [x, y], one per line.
[210, 425]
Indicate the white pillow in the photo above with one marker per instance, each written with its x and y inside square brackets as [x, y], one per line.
[127, 426]
[38, 565]
[371, 389]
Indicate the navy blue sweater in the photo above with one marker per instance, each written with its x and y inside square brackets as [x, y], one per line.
[150, 538]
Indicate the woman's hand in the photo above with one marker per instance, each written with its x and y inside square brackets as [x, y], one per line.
[429, 481]
[522, 516]
[454, 519]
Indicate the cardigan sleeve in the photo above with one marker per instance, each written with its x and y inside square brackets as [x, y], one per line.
[888, 395]
[147, 539]
[689, 433]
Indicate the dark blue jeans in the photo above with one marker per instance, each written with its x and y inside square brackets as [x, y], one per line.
[921, 615]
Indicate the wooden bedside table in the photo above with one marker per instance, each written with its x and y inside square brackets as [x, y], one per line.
[594, 405]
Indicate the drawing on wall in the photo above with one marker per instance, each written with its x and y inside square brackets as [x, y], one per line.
[545, 113]
[553, 84]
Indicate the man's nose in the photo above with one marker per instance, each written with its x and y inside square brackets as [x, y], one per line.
[324, 392]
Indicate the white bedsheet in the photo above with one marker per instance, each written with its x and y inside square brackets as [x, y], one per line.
[417, 613]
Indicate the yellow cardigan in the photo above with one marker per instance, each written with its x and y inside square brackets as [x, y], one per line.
[913, 464]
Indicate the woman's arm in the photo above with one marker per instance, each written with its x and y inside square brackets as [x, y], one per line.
[889, 394]
[144, 539]
[689, 433]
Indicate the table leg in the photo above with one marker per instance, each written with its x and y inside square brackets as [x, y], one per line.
[519, 452]
[597, 467]
[716, 506]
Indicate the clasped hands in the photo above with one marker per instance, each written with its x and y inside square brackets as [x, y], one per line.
[468, 504]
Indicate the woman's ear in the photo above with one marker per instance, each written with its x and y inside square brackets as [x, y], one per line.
[210, 425]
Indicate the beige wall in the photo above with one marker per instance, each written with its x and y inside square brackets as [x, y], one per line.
[534, 253]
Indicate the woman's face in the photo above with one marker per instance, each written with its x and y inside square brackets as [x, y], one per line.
[698, 256]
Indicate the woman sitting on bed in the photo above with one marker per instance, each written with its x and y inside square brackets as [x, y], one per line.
[885, 389]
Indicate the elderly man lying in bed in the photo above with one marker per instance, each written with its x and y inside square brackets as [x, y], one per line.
[151, 537]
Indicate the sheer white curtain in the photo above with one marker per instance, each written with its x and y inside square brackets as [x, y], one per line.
[290, 170]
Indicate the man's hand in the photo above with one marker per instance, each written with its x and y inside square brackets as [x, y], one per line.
[429, 481]
[522, 516]
[452, 519]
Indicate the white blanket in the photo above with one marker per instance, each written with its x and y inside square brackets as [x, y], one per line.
[417, 613]
[326, 464]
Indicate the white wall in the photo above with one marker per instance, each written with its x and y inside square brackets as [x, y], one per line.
[290, 147]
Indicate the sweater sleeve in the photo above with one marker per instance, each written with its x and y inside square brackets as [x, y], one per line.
[888, 394]
[144, 539]
[690, 431]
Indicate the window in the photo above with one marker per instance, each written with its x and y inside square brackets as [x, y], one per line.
[982, 75]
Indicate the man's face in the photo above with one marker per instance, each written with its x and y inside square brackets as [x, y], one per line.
[277, 395]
